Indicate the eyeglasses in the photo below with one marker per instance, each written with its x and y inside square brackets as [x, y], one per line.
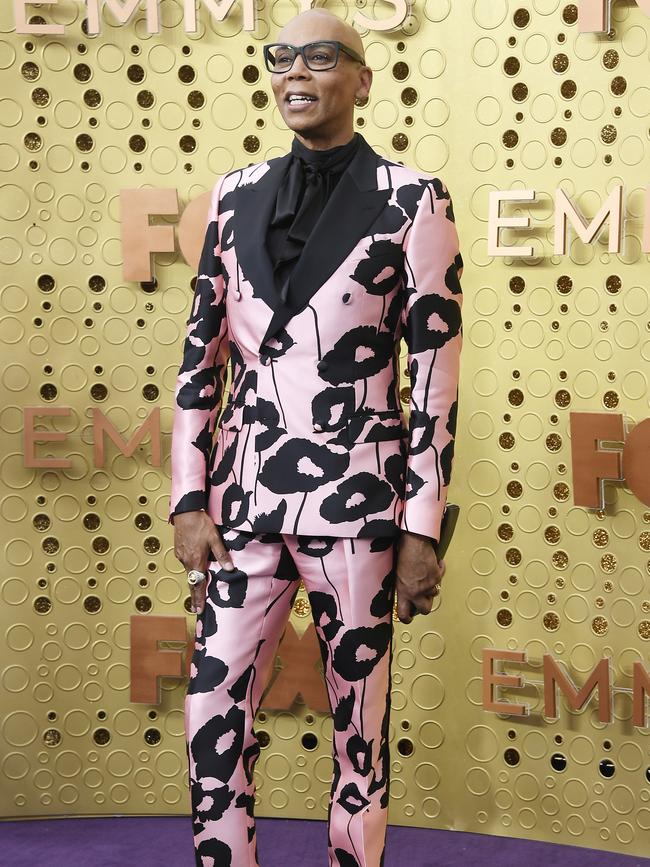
[279, 57]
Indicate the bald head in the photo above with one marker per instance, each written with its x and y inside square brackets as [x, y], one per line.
[327, 119]
[316, 24]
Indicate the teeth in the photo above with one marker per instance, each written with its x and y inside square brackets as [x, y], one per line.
[301, 99]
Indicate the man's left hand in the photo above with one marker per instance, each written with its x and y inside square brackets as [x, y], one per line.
[419, 575]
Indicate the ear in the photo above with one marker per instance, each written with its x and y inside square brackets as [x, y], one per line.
[365, 81]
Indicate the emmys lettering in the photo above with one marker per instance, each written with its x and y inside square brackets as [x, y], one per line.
[566, 213]
[594, 16]
[554, 677]
[124, 10]
[140, 239]
[160, 648]
[101, 426]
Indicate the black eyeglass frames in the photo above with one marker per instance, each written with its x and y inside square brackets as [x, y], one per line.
[279, 57]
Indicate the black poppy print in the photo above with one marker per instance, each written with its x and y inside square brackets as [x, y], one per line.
[390, 321]
[239, 689]
[237, 365]
[313, 546]
[279, 344]
[227, 589]
[301, 465]
[235, 504]
[217, 745]
[360, 754]
[215, 849]
[358, 354]
[235, 540]
[203, 442]
[199, 392]
[351, 596]
[381, 543]
[351, 799]
[209, 805]
[446, 459]
[432, 321]
[345, 859]
[201, 322]
[359, 650]
[324, 609]
[375, 427]
[286, 569]
[413, 483]
[380, 527]
[395, 471]
[331, 407]
[268, 419]
[422, 428]
[228, 238]
[270, 521]
[409, 195]
[344, 710]
[313, 370]
[210, 671]
[225, 465]
[246, 396]
[310, 478]
[452, 418]
[382, 601]
[447, 454]
[309, 475]
[378, 272]
[357, 497]
[441, 193]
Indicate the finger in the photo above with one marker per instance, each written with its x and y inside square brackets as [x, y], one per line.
[196, 561]
[190, 559]
[221, 553]
[198, 598]
[404, 609]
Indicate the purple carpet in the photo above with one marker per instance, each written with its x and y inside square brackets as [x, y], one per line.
[167, 842]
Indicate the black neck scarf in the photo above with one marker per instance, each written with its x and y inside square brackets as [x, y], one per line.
[305, 190]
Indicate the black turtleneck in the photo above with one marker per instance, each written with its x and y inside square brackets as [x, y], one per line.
[302, 196]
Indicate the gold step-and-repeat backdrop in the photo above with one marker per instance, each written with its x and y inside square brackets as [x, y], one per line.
[518, 703]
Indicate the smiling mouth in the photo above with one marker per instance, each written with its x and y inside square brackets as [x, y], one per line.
[301, 100]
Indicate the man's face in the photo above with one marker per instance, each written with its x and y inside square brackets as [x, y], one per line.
[334, 90]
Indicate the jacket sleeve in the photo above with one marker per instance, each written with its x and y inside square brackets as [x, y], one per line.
[201, 378]
[432, 329]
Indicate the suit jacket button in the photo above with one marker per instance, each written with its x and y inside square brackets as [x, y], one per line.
[347, 298]
[318, 426]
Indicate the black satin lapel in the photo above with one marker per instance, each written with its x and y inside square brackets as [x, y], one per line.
[350, 211]
[253, 207]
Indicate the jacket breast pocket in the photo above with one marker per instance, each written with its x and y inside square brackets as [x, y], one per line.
[377, 426]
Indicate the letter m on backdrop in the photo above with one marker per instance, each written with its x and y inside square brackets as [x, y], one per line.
[594, 16]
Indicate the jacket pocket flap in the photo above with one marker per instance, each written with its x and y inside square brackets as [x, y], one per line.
[376, 426]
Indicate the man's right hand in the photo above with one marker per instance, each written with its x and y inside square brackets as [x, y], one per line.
[195, 536]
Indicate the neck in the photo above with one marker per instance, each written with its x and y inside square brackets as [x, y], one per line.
[323, 143]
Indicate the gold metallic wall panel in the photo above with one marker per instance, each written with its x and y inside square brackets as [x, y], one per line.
[491, 95]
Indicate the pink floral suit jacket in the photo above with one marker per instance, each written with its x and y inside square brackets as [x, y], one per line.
[312, 438]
